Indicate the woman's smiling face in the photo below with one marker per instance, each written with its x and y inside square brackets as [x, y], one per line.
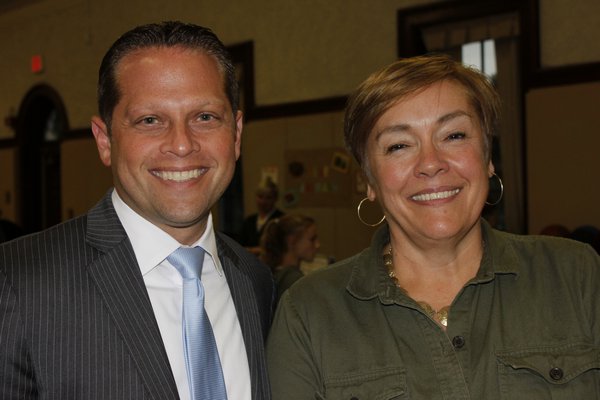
[427, 164]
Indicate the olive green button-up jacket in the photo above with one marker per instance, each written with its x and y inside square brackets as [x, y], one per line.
[526, 327]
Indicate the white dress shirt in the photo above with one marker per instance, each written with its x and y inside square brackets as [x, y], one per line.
[165, 287]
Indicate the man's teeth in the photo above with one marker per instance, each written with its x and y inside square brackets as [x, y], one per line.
[435, 196]
[179, 176]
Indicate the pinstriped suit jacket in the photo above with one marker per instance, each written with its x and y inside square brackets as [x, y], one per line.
[76, 321]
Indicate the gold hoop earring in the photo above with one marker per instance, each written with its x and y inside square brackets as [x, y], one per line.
[501, 190]
[362, 220]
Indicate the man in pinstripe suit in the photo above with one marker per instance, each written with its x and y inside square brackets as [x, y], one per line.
[91, 308]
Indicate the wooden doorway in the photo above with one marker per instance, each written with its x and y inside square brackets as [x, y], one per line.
[41, 124]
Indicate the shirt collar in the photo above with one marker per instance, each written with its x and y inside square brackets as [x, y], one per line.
[152, 245]
[369, 277]
[499, 255]
[208, 242]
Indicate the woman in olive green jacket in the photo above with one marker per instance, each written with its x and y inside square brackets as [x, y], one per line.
[441, 306]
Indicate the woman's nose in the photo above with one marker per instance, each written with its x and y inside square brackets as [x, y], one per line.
[430, 162]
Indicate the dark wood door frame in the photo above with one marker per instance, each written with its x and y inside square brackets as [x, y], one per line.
[37, 166]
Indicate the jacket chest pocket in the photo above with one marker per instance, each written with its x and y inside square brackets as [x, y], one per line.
[563, 372]
[380, 384]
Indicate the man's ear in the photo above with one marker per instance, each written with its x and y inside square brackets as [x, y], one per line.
[100, 131]
[239, 125]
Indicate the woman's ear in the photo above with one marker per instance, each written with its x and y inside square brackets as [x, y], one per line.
[491, 169]
[371, 192]
[290, 242]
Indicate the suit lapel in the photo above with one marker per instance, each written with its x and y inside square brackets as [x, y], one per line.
[238, 272]
[118, 278]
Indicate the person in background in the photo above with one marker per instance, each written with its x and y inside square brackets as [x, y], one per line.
[9, 230]
[267, 194]
[99, 307]
[555, 230]
[587, 234]
[285, 243]
[440, 306]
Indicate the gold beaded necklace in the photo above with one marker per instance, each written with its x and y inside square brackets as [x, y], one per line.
[440, 316]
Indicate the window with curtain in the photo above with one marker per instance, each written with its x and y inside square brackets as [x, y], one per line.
[491, 44]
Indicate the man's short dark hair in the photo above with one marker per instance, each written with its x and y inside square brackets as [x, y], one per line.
[165, 34]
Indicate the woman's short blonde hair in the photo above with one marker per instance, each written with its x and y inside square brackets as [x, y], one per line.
[407, 76]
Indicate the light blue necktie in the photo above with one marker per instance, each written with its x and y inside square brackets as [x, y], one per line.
[201, 355]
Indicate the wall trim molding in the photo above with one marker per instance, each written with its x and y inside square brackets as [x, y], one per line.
[243, 56]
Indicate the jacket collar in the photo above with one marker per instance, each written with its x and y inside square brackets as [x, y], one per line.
[119, 282]
[104, 230]
[369, 278]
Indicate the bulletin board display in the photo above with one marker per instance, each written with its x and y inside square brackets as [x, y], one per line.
[317, 178]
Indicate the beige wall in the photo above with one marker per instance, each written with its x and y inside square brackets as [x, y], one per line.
[570, 31]
[563, 156]
[264, 145]
[301, 52]
[84, 179]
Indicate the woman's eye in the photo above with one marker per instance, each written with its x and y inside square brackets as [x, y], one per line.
[457, 135]
[396, 147]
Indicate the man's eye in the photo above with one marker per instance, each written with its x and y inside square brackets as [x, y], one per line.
[206, 117]
[148, 120]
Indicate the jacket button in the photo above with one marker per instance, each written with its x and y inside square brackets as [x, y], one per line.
[458, 342]
[556, 373]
